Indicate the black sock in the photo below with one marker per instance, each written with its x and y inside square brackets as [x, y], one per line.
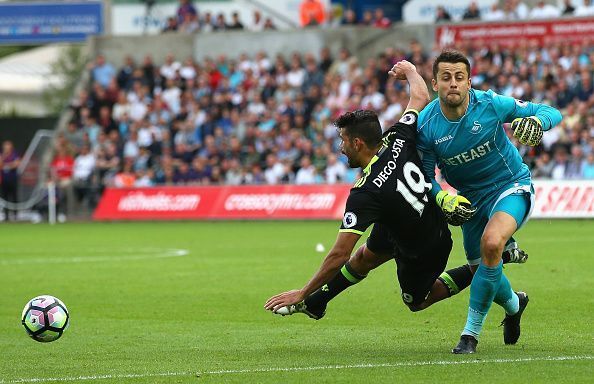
[505, 257]
[456, 279]
[343, 279]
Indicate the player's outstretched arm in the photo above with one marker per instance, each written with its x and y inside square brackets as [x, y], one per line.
[336, 258]
[529, 120]
[419, 94]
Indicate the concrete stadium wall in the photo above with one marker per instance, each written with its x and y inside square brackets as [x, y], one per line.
[115, 48]
[362, 42]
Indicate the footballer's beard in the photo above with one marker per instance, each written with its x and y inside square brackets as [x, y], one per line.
[351, 161]
[454, 100]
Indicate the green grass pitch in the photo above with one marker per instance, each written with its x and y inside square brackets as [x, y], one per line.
[182, 302]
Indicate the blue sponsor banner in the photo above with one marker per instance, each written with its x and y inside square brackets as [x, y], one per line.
[44, 22]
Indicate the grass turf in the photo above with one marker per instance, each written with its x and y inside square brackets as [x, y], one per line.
[143, 312]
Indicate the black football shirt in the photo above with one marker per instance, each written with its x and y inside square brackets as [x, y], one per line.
[394, 192]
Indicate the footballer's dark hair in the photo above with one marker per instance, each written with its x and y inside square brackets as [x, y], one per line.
[363, 124]
[450, 56]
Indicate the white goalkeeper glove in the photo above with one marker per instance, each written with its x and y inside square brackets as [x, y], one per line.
[456, 209]
[528, 130]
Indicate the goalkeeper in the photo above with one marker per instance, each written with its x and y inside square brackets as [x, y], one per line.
[462, 132]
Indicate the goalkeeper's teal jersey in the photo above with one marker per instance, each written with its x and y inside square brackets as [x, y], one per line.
[474, 153]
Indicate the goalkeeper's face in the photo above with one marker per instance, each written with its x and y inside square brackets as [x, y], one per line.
[452, 84]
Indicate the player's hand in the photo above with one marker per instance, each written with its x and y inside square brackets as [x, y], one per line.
[528, 130]
[401, 68]
[456, 209]
[283, 299]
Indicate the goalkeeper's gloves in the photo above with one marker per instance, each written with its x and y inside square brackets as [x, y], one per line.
[456, 209]
[528, 130]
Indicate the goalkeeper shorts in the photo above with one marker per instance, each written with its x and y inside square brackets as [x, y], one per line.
[515, 200]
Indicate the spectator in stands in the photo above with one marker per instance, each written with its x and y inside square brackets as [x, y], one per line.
[543, 10]
[494, 14]
[311, 13]
[472, 12]
[312, 76]
[75, 135]
[575, 166]
[170, 25]
[274, 170]
[335, 16]
[544, 167]
[380, 20]
[169, 69]
[306, 173]
[416, 55]
[105, 121]
[126, 177]
[517, 10]
[82, 175]
[568, 8]
[189, 24]
[585, 87]
[208, 24]
[588, 170]
[269, 24]
[9, 163]
[235, 21]
[125, 73]
[61, 172]
[102, 71]
[144, 178]
[560, 164]
[586, 9]
[350, 18]
[335, 171]
[257, 22]
[367, 19]
[220, 23]
[186, 11]
[326, 59]
[442, 15]
[107, 162]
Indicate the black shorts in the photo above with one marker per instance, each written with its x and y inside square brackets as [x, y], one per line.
[416, 275]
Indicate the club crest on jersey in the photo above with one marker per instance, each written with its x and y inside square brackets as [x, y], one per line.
[349, 220]
[408, 119]
[476, 127]
[521, 103]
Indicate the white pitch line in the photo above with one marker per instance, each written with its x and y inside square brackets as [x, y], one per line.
[297, 369]
[401, 364]
[165, 253]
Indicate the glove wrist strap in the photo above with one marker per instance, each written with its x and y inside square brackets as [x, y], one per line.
[440, 196]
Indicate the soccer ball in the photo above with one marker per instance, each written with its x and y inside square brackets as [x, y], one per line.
[45, 318]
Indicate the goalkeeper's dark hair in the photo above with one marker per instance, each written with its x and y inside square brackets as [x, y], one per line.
[363, 124]
[450, 56]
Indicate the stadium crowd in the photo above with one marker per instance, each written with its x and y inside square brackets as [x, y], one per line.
[188, 19]
[255, 119]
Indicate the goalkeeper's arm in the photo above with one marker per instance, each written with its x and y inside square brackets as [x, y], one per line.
[456, 208]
